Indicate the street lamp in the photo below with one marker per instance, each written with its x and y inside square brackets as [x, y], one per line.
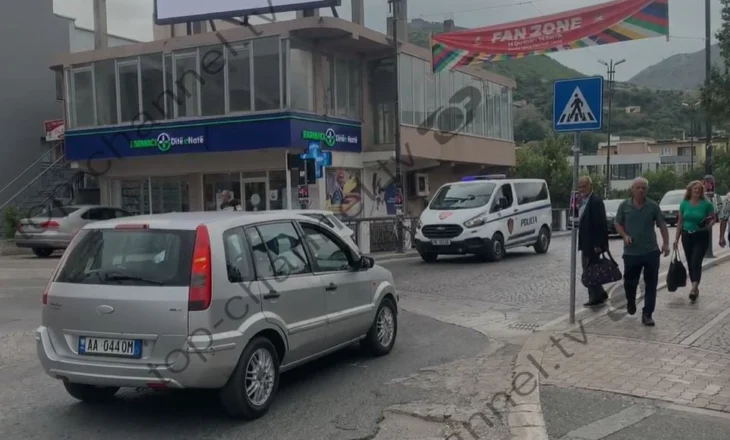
[693, 112]
[610, 66]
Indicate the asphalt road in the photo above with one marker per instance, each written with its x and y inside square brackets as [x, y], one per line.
[502, 299]
[338, 397]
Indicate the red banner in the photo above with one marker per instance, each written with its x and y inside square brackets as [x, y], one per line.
[606, 23]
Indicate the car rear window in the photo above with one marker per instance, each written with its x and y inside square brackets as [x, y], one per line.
[151, 257]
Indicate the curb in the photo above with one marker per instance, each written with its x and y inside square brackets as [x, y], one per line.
[525, 418]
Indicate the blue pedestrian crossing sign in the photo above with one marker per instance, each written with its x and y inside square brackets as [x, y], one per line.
[578, 104]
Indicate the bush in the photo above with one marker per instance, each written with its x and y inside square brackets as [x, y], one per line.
[11, 217]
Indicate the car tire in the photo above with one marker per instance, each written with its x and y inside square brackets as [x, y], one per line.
[261, 357]
[42, 252]
[429, 257]
[543, 241]
[379, 343]
[90, 393]
[495, 252]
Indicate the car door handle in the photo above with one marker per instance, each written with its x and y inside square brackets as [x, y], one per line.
[273, 294]
[516, 209]
[331, 288]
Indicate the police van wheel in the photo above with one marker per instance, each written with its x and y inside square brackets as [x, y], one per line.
[495, 251]
[429, 257]
[543, 241]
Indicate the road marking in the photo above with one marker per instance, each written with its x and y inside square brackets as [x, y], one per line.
[611, 424]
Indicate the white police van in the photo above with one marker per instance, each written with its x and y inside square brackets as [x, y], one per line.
[484, 216]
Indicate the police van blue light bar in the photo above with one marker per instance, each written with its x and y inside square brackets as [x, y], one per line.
[487, 177]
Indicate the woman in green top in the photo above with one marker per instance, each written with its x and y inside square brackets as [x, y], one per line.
[696, 217]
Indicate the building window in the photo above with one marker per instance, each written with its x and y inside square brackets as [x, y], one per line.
[240, 80]
[128, 74]
[626, 171]
[382, 90]
[405, 73]
[354, 101]
[267, 74]
[187, 82]
[301, 76]
[342, 86]
[83, 101]
[105, 79]
[153, 87]
[170, 88]
[213, 80]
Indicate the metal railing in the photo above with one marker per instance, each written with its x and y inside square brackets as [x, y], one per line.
[382, 232]
[43, 158]
[26, 186]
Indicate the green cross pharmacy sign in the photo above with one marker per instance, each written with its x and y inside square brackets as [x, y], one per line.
[164, 142]
[329, 137]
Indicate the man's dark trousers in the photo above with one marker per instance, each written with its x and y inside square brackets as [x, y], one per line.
[633, 266]
[595, 293]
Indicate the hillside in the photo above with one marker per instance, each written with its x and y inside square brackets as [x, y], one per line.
[684, 71]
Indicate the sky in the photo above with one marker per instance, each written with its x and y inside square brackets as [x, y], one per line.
[133, 19]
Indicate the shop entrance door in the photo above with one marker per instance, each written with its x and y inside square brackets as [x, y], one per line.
[254, 194]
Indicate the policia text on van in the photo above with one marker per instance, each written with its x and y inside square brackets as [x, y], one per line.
[485, 217]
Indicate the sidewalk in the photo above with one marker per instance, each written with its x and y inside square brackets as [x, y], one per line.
[684, 360]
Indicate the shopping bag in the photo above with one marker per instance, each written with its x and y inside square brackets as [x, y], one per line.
[601, 271]
[677, 274]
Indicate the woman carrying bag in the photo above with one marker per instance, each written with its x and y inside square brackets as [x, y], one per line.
[696, 218]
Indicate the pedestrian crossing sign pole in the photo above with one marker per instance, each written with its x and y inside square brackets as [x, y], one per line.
[577, 107]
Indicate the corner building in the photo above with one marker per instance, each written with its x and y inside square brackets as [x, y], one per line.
[168, 124]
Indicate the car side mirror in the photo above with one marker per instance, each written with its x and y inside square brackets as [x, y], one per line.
[365, 263]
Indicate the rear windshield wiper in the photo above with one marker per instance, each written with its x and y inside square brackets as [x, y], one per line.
[119, 277]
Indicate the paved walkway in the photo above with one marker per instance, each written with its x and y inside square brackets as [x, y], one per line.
[685, 359]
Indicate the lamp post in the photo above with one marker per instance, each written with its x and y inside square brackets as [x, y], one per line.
[395, 9]
[610, 67]
[692, 126]
[708, 121]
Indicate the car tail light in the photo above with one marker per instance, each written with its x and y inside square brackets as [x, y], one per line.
[49, 225]
[201, 289]
[132, 226]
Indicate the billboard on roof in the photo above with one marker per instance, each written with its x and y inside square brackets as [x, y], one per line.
[183, 11]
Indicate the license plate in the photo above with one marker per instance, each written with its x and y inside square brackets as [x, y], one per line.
[110, 347]
[441, 242]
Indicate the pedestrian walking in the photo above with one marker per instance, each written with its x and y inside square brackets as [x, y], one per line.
[696, 218]
[592, 235]
[636, 219]
[724, 217]
[229, 202]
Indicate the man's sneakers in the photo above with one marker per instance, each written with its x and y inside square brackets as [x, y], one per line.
[647, 321]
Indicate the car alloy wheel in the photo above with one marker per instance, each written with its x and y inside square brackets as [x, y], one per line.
[260, 375]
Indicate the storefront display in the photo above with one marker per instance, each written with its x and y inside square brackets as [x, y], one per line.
[344, 192]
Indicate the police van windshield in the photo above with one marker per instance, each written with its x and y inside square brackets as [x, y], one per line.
[463, 196]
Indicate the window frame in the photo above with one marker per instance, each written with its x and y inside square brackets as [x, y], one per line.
[332, 236]
[255, 227]
[543, 188]
[495, 198]
[245, 248]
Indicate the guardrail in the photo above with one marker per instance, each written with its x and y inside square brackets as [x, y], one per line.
[378, 234]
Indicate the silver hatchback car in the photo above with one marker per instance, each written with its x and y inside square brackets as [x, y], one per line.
[208, 300]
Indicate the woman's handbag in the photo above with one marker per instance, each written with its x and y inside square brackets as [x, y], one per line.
[601, 271]
[677, 274]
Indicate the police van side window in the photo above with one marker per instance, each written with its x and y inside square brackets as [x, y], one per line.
[529, 192]
[503, 191]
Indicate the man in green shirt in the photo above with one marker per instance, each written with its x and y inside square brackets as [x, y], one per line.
[636, 219]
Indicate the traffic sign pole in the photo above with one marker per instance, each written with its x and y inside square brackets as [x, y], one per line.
[574, 229]
[577, 107]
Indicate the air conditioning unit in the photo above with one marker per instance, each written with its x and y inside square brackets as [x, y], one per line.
[421, 184]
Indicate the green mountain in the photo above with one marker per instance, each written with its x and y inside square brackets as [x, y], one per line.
[685, 71]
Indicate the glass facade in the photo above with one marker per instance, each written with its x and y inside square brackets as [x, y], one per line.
[468, 104]
[208, 81]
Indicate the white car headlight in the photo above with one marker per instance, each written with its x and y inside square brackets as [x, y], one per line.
[475, 222]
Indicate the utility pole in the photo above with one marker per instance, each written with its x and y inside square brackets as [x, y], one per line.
[693, 124]
[610, 66]
[708, 121]
[395, 10]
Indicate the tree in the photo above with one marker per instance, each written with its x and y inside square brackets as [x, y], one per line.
[660, 182]
[547, 160]
[716, 94]
[529, 130]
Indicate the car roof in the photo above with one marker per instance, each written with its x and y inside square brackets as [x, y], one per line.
[191, 220]
[471, 182]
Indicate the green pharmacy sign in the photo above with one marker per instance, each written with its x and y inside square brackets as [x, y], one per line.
[329, 137]
[164, 142]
